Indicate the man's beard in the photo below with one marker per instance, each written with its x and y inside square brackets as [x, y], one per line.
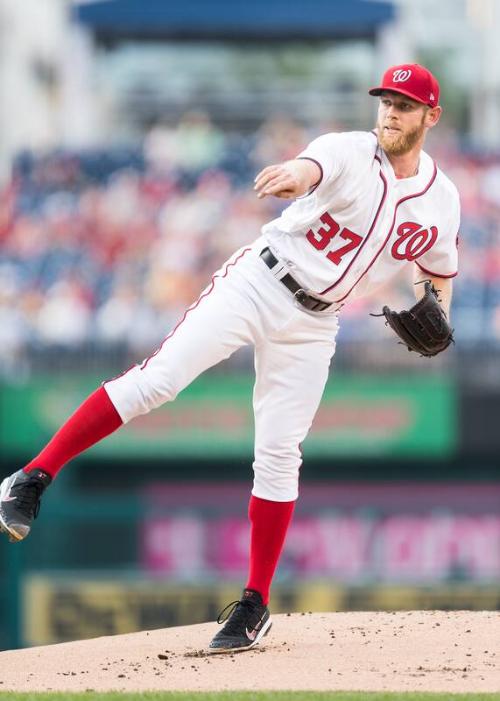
[401, 143]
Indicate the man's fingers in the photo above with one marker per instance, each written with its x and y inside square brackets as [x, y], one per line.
[276, 184]
[263, 183]
[276, 180]
[278, 189]
[268, 169]
[267, 175]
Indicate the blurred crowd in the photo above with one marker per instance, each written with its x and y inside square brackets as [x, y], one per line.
[105, 248]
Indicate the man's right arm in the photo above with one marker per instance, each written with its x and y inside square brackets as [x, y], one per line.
[288, 180]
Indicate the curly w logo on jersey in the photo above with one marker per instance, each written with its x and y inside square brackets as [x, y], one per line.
[413, 241]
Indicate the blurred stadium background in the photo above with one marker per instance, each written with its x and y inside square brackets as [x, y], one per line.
[130, 133]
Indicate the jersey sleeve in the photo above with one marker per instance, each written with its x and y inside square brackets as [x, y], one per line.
[329, 152]
[442, 259]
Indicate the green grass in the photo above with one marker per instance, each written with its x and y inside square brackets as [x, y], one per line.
[245, 696]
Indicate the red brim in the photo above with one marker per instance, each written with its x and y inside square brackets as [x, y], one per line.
[378, 91]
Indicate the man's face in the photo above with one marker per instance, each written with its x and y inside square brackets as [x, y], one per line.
[401, 123]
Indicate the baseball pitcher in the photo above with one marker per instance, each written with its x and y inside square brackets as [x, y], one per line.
[364, 204]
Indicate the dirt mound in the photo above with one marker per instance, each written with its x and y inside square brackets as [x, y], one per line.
[402, 651]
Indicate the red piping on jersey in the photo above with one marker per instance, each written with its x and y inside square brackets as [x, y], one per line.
[314, 187]
[435, 274]
[193, 306]
[404, 199]
[117, 377]
[384, 194]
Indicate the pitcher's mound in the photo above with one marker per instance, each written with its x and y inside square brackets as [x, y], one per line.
[402, 651]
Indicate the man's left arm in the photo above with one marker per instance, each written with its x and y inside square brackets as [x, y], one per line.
[443, 285]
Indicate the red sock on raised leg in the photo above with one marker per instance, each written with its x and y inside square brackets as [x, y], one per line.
[269, 525]
[95, 419]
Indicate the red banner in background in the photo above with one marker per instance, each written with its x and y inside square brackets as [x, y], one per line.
[430, 534]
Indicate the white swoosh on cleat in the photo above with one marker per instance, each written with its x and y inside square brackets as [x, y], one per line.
[7, 497]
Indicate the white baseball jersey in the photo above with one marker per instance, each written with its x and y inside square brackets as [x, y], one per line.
[360, 223]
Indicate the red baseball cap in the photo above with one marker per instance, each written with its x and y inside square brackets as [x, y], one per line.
[412, 80]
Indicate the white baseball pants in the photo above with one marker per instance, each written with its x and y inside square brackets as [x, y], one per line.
[245, 304]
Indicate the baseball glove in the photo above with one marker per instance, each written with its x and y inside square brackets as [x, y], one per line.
[424, 328]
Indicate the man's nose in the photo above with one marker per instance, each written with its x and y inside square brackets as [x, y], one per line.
[392, 114]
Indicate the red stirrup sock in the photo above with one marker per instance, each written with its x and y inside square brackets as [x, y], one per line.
[95, 419]
[269, 524]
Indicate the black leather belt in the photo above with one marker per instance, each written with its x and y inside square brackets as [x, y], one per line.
[306, 299]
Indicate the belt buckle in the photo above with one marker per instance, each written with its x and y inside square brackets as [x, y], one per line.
[301, 296]
[311, 301]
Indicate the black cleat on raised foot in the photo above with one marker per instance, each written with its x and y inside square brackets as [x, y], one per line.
[20, 501]
[247, 622]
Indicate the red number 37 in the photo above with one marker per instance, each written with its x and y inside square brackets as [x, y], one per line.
[322, 237]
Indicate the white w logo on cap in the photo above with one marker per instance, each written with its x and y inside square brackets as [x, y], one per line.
[401, 75]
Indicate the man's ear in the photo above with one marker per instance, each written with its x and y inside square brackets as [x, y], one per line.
[433, 116]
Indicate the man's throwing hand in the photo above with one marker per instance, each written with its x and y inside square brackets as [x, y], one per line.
[287, 180]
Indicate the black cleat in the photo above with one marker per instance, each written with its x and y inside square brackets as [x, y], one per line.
[20, 501]
[247, 623]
